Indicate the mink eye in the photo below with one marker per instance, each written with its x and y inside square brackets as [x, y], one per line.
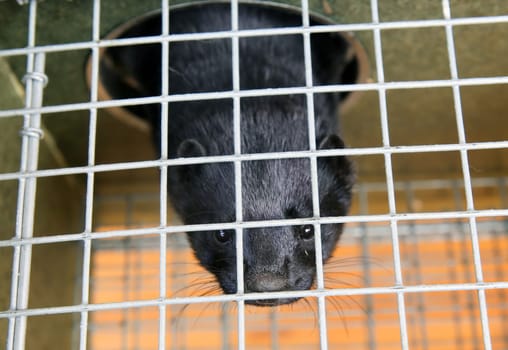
[223, 236]
[306, 232]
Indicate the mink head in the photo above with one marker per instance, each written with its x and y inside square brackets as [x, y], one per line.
[274, 258]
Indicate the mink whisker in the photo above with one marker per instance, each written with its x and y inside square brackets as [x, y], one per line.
[335, 302]
[334, 284]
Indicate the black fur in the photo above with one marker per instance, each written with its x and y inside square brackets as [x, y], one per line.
[278, 258]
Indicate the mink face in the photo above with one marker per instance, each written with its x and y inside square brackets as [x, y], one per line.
[275, 258]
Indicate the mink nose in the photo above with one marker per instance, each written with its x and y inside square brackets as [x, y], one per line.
[266, 282]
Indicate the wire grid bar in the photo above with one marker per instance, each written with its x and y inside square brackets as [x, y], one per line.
[90, 184]
[357, 27]
[409, 230]
[31, 133]
[255, 296]
[417, 84]
[21, 188]
[467, 177]
[258, 156]
[162, 236]
[235, 59]
[256, 224]
[163, 177]
[499, 182]
[323, 338]
[378, 52]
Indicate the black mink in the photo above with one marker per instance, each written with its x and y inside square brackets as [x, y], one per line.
[275, 258]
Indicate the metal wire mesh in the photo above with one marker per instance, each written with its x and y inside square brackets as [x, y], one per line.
[409, 298]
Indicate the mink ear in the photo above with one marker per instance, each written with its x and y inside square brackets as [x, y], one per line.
[339, 163]
[331, 141]
[190, 148]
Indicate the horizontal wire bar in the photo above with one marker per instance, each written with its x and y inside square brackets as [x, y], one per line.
[399, 185]
[377, 233]
[254, 157]
[256, 224]
[398, 85]
[354, 27]
[257, 296]
[367, 187]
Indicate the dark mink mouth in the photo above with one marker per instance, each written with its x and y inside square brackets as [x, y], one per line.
[271, 302]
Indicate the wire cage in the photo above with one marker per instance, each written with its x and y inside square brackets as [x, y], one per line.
[92, 255]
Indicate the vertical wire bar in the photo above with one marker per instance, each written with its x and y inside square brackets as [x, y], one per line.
[466, 174]
[406, 255]
[312, 142]
[389, 175]
[465, 261]
[17, 254]
[235, 52]
[164, 175]
[31, 158]
[87, 246]
[26, 192]
[17, 249]
[314, 175]
[33, 132]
